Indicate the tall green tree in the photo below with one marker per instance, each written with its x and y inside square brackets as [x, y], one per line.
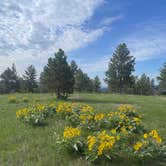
[58, 76]
[87, 83]
[144, 85]
[30, 78]
[162, 79]
[43, 83]
[79, 81]
[96, 84]
[9, 80]
[74, 67]
[83, 83]
[119, 74]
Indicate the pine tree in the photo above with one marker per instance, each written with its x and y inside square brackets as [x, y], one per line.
[43, 84]
[82, 82]
[144, 85]
[79, 81]
[162, 80]
[119, 74]
[96, 84]
[30, 78]
[9, 80]
[58, 76]
[73, 67]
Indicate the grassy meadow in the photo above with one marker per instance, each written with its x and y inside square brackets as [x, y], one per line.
[25, 145]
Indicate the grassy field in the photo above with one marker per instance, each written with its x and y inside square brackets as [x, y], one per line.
[24, 145]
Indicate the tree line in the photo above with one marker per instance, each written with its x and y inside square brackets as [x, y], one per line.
[61, 77]
[58, 76]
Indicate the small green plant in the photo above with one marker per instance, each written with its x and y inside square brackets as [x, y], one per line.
[12, 99]
[25, 100]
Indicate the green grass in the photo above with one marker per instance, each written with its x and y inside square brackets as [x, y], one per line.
[24, 145]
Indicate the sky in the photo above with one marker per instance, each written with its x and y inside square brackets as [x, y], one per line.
[88, 31]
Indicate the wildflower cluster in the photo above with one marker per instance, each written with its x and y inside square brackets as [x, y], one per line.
[66, 109]
[148, 144]
[113, 134]
[102, 143]
[12, 99]
[71, 132]
[98, 135]
[36, 114]
[25, 99]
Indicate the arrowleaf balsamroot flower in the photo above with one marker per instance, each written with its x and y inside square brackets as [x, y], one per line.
[91, 140]
[71, 132]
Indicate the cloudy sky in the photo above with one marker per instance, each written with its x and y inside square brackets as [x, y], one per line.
[88, 31]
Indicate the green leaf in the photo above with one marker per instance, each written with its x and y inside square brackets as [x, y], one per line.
[107, 156]
[75, 147]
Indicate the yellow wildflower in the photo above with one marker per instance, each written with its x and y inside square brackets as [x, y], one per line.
[126, 107]
[113, 131]
[155, 135]
[123, 129]
[130, 127]
[158, 140]
[87, 109]
[91, 141]
[99, 117]
[85, 118]
[105, 145]
[145, 135]
[71, 132]
[137, 120]
[138, 145]
[117, 137]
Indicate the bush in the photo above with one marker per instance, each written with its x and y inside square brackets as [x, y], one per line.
[25, 100]
[12, 99]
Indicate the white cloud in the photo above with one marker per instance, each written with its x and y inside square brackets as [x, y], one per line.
[97, 67]
[31, 31]
[109, 20]
[75, 38]
[100, 65]
[149, 41]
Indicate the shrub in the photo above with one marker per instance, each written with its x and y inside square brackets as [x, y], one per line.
[12, 99]
[25, 100]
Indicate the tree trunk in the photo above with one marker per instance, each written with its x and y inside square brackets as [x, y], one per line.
[120, 86]
[58, 94]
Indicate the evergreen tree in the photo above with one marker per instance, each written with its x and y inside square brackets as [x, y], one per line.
[9, 80]
[73, 67]
[43, 84]
[79, 81]
[82, 82]
[162, 80]
[22, 84]
[152, 86]
[30, 78]
[144, 85]
[87, 83]
[58, 76]
[96, 84]
[119, 74]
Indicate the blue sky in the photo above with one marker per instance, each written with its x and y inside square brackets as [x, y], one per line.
[88, 31]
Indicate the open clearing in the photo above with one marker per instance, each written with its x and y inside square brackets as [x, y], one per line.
[22, 144]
